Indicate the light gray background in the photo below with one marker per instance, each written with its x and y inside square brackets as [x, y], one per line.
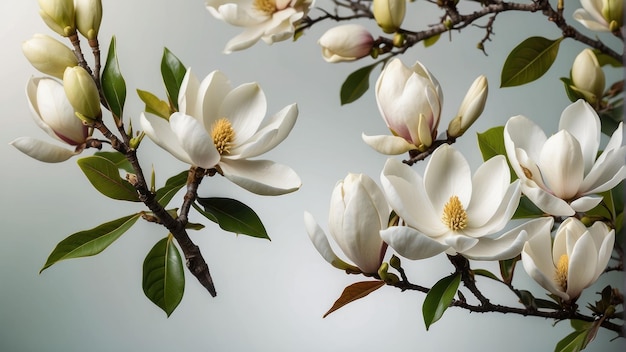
[271, 295]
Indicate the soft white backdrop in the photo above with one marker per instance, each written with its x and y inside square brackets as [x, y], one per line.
[271, 295]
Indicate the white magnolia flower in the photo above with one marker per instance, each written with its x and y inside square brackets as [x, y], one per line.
[601, 15]
[450, 211]
[347, 42]
[268, 20]
[409, 100]
[54, 114]
[221, 127]
[358, 211]
[562, 174]
[573, 262]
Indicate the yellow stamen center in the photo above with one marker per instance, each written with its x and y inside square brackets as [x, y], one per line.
[454, 216]
[527, 173]
[268, 7]
[223, 135]
[560, 274]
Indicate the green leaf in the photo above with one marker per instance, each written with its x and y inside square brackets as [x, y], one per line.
[527, 299]
[154, 105]
[577, 340]
[105, 177]
[357, 83]
[529, 61]
[572, 94]
[604, 59]
[118, 159]
[431, 40]
[491, 143]
[507, 268]
[113, 84]
[173, 72]
[354, 292]
[610, 119]
[172, 186]
[163, 275]
[232, 216]
[527, 209]
[439, 298]
[485, 273]
[90, 242]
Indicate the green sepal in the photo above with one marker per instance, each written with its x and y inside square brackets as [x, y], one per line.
[104, 175]
[528, 61]
[439, 298]
[163, 275]
[90, 242]
[173, 72]
[232, 215]
[113, 84]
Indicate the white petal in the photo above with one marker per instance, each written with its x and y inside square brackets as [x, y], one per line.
[541, 275]
[194, 139]
[606, 173]
[159, 131]
[212, 91]
[271, 133]
[320, 241]
[489, 185]
[501, 216]
[262, 177]
[561, 163]
[411, 243]
[42, 151]
[388, 145]
[582, 265]
[604, 252]
[245, 108]
[589, 21]
[585, 203]
[522, 133]
[188, 95]
[547, 202]
[447, 174]
[245, 39]
[583, 123]
[459, 242]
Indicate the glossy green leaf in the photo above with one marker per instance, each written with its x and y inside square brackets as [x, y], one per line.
[577, 340]
[527, 209]
[572, 94]
[604, 59]
[118, 159]
[507, 268]
[154, 105]
[485, 273]
[172, 186]
[90, 242]
[529, 61]
[527, 299]
[357, 83]
[232, 216]
[113, 84]
[431, 40]
[439, 298]
[105, 177]
[173, 71]
[354, 292]
[163, 275]
[491, 143]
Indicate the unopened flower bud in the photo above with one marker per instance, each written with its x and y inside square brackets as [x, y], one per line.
[59, 15]
[588, 77]
[395, 262]
[48, 55]
[472, 106]
[347, 42]
[88, 17]
[389, 14]
[382, 271]
[82, 93]
[613, 13]
[398, 39]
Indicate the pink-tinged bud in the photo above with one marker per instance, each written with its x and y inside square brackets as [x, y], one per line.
[49, 55]
[346, 43]
[59, 15]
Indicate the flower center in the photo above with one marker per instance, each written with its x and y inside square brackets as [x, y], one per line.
[454, 216]
[223, 135]
[268, 7]
[560, 275]
[527, 173]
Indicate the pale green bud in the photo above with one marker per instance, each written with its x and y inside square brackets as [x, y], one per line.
[471, 107]
[389, 14]
[49, 55]
[613, 13]
[59, 15]
[82, 93]
[88, 17]
[588, 77]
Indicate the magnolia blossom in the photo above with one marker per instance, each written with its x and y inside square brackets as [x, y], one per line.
[269, 20]
[573, 262]
[358, 211]
[450, 211]
[563, 173]
[221, 127]
[54, 114]
[601, 15]
[409, 100]
[347, 42]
